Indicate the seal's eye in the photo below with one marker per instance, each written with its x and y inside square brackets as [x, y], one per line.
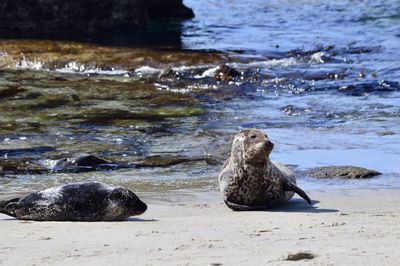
[253, 136]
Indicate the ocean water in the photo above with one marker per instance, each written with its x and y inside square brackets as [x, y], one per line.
[321, 78]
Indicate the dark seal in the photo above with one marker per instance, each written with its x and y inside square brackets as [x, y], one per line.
[250, 181]
[91, 201]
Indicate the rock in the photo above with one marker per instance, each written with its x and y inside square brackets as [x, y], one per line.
[47, 17]
[166, 161]
[225, 73]
[88, 163]
[21, 166]
[345, 172]
[8, 169]
[57, 54]
[170, 8]
[81, 164]
[90, 160]
[26, 152]
[170, 74]
[300, 256]
[10, 91]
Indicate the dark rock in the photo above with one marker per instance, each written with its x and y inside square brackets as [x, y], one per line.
[293, 110]
[82, 164]
[225, 73]
[345, 172]
[88, 163]
[35, 151]
[170, 74]
[162, 161]
[22, 166]
[166, 161]
[11, 91]
[90, 160]
[373, 87]
[170, 8]
[83, 16]
[8, 169]
[92, 163]
[212, 161]
[300, 256]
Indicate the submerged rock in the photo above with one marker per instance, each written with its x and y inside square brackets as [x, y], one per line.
[8, 169]
[80, 57]
[345, 172]
[18, 17]
[226, 73]
[25, 152]
[9, 91]
[82, 164]
[88, 163]
[23, 166]
[166, 161]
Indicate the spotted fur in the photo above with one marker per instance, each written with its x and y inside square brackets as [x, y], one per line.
[249, 180]
[92, 201]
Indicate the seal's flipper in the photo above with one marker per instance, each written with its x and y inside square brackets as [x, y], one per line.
[289, 186]
[6, 206]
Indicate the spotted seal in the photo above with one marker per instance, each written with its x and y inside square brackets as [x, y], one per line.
[91, 201]
[250, 181]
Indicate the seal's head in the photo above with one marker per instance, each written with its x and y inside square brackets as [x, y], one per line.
[252, 145]
[126, 202]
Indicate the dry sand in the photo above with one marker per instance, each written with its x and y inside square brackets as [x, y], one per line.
[343, 228]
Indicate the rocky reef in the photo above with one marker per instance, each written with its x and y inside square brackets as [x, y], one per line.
[49, 17]
[344, 172]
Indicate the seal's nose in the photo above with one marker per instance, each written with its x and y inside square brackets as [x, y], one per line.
[142, 207]
[268, 144]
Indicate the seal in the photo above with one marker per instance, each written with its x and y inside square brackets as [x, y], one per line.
[91, 201]
[250, 181]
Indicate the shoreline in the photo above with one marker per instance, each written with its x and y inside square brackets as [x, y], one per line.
[196, 228]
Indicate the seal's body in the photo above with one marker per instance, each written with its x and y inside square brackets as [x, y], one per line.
[250, 181]
[91, 201]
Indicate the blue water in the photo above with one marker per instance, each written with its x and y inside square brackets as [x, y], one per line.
[298, 42]
[321, 78]
[260, 26]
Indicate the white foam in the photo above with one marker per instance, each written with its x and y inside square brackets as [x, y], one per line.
[162, 87]
[49, 164]
[202, 87]
[318, 58]
[73, 67]
[284, 62]
[78, 68]
[147, 70]
[207, 73]
[26, 64]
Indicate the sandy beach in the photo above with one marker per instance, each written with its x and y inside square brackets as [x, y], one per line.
[344, 227]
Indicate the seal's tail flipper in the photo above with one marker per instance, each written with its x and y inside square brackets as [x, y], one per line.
[5, 206]
[289, 186]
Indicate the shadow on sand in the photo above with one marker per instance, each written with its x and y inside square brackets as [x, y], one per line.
[134, 219]
[130, 219]
[299, 205]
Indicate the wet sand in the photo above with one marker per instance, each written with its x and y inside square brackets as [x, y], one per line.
[344, 227]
